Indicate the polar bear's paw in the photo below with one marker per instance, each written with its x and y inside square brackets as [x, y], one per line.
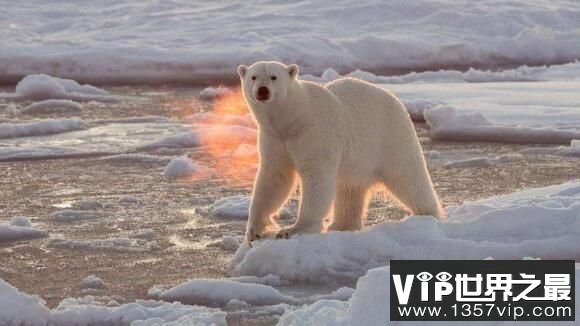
[288, 232]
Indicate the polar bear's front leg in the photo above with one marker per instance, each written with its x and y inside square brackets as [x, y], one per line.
[271, 189]
[318, 190]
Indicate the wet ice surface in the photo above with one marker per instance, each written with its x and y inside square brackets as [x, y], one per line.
[112, 213]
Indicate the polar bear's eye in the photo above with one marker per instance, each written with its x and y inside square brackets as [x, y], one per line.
[253, 77]
[273, 77]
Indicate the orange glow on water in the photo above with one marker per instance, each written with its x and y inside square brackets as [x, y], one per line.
[228, 136]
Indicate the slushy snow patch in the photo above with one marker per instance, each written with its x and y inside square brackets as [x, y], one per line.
[183, 167]
[22, 309]
[92, 282]
[571, 151]
[447, 124]
[487, 228]
[19, 228]
[237, 208]
[214, 135]
[69, 215]
[220, 292]
[111, 244]
[210, 93]
[41, 127]
[43, 87]
[53, 106]
[211, 118]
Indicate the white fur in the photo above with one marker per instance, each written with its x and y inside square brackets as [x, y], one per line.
[339, 139]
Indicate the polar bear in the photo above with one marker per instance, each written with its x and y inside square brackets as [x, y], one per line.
[339, 140]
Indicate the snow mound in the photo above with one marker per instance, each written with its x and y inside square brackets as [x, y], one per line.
[52, 106]
[369, 306]
[183, 167]
[69, 215]
[41, 127]
[488, 228]
[220, 292]
[572, 151]
[447, 124]
[226, 242]
[210, 93]
[22, 309]
[418, 106]
[20, 221]
[19, 228]
[215, 135]
[40, 87]
[111, 244]
[92, 282]
[237, 208]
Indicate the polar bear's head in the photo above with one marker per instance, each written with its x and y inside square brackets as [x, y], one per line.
[267, 82]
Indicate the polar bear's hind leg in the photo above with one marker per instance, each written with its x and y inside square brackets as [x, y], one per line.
[350, 207]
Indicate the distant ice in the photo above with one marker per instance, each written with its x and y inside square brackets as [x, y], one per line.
[476, 162]
[141, 119]
[487, 228]
[41, 127]
[22, 309]
[39, 87]
[92, 282]
[53, 106]
[26, 153]
[446, 123]
[220, 292]
[161, 42]
[19, 228]
[237, 208]
[210, 93]
[183, 167]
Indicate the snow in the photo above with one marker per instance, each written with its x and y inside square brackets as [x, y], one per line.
[183, 167]
[133, 42]
[92, 282]
[210, 93]
[237, 208]
[40, 87]
[22, 309]
[53, 106]
[487, 228]
[472, 75]
[32, 152]
[446, 123]
[87, 204]
[41, 127]
[220, 292]
[19, 228]
[369, 306]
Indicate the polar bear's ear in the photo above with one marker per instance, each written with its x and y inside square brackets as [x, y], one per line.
[293, 70]
[242, 70]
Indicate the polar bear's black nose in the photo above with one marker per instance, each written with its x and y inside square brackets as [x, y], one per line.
[263, 94]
